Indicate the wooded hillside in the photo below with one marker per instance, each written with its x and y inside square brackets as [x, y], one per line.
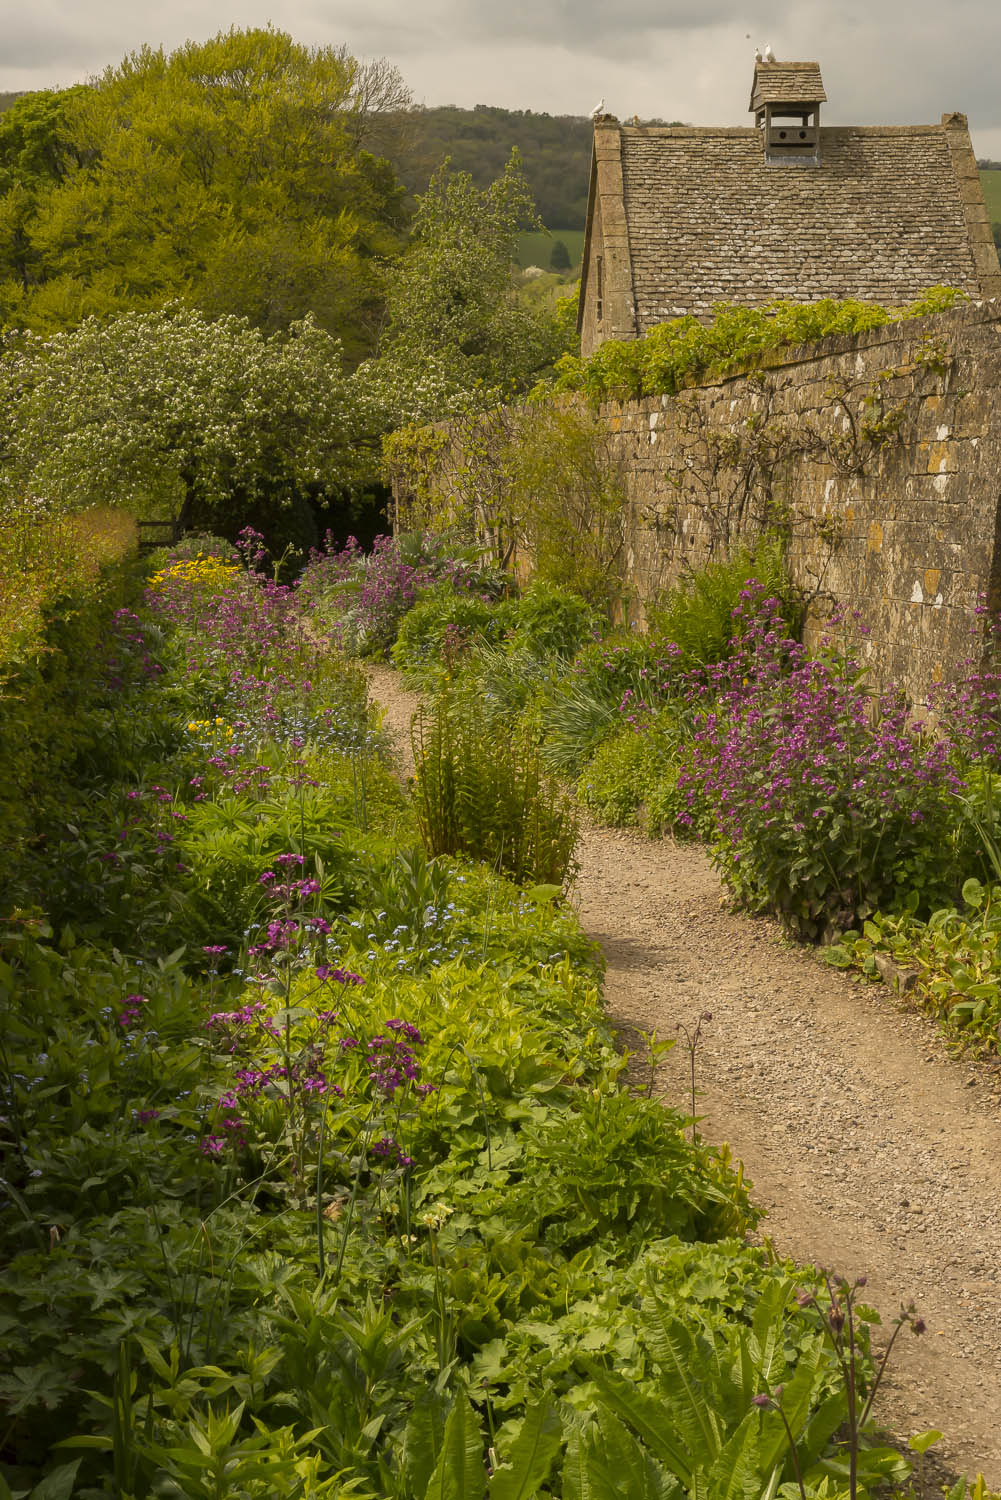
[555, 151]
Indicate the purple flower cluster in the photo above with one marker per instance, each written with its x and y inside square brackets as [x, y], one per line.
[391, 1059]
[823, 801]
[133, 1010]
[370, 593]
[385, 1065]
[388, 1147]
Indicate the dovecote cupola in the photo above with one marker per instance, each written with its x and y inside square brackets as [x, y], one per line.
[785, 101]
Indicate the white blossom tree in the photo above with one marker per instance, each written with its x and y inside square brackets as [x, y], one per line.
[171, 414]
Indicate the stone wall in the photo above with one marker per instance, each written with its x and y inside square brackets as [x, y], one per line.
[880, 457]
[880, 453]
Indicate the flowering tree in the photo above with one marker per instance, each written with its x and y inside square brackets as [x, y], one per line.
[170, 413]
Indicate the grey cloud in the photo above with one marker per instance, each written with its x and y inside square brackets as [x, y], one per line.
[896, 61]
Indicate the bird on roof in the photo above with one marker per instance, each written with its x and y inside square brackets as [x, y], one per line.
[769, 55]
[599, 108]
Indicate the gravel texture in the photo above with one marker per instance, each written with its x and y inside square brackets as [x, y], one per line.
[872, 1150]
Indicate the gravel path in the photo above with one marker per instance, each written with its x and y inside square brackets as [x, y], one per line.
[872, 1150]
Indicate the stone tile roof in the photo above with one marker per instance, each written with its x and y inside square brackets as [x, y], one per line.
[708, 220]
[787, 83]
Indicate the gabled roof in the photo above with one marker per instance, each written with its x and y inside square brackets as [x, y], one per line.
[703, 218]
[786, 83]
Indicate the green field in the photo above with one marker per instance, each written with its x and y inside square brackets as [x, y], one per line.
[534, 249]
[990, 181]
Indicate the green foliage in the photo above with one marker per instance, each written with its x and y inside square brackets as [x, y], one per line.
[551, 621]
[684, 351]
[559, 259]
[456, 336]
[697, 614]
[566, 500]
[232, 174]
[445, 628]
[175, 415]
[48, 723]
[443, 625]
[346, 1286]
[491, 801]
[633, 776]
[194, 545]
[953, 960]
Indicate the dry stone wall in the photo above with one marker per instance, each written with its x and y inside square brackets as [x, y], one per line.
[878, 455]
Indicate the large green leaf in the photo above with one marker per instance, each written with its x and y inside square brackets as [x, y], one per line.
[459, 1473]
[423, 1440]
[767, 1340]
[531, 1456]
[575, 1479]
[676, 1350]
[648, 1415]
[618, 1465]
[737, 1471]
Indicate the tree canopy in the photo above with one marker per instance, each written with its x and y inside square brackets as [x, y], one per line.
[457, 331]
[170, 413]
[234, 175]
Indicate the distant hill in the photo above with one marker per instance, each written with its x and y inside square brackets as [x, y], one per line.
[6, 100]
[555, 152]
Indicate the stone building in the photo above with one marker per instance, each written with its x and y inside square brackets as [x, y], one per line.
[680, 218]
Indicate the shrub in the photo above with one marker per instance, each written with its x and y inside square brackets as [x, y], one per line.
[698, 615]
[193, 545]
[488, 796]
[634, 774]
[552, 621]
[685, 350]
[444, 625]
[955, 955]
[565, 498]
[53, 719]
[47, 556]
[823, 805]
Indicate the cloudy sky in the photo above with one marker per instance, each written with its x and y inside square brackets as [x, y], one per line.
[883, 61]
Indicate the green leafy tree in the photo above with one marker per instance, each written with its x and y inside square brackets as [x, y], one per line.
[169, 413]
[233, 174]
[559, 260]
[37, 152]
[458, 335]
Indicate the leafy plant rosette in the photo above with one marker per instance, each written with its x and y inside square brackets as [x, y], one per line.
[822, 804]
[954, 959]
